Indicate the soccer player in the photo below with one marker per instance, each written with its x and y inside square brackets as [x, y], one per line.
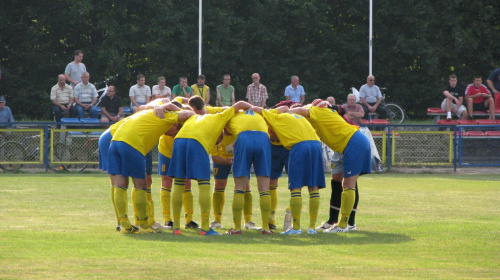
[252, 146]
[190, 158]
[279, 159]
[342, 138]
[305, 163]
[131, 142]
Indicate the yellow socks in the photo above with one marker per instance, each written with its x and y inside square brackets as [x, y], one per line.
[165, 204]
[187, 201]
[141, 203]
[247, 208]
[313, 208]
[177, 191]
[348, 196]
[114, 206]
[205, 203]
[151, 207]
[296, 208]
[273, 191]
[218, 200]
[238, 202]
[265, 208]
[120, 197]
[136, 214]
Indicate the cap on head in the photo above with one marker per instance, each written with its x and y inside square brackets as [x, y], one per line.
[2, 99]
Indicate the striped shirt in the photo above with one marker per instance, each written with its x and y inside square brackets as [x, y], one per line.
[140, 93]
[85, 93]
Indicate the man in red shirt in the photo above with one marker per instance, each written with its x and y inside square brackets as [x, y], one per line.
[478, 98]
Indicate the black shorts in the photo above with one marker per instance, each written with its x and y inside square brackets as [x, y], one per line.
[479, 107]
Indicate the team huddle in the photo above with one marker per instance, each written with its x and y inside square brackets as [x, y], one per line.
[241, 136]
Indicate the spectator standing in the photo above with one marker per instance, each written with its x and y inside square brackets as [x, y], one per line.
[75, 69]
[85, 95]
[493, 82]
[370, 97]
[111, 106]
[225, 92]
[182, 89]
[257, 92]
[201, 89]
[454, 99]
[161, 90]
[352, 110]
[140, 93]
[62, 99]
[5, 114]
[478, 98]
[294, 91]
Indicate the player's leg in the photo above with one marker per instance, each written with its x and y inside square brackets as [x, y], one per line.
[221, 173]
[188, 202]
[238, 202]
[166, 189]
[314, 200]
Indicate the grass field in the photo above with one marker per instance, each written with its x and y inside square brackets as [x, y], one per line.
[61, 226]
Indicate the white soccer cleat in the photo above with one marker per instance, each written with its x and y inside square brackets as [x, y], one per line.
[158, 226]
[352, 228]
[324, 226]
[215, 224]
[293, 231]
[251, 225]
[336, 229]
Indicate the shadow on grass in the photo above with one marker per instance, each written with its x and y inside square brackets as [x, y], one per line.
[353, 238]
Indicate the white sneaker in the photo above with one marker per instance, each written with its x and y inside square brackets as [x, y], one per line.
[336, 229]
[324, 226]
[448, 116]
[251, 225]
[158, 226]
[352, 228]
[215, 224]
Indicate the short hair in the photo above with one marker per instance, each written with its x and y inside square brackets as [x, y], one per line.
[226, 75]
[84, 74]
[196, 102]
[294, 77]
[452, 76]
[201, 77]
[183, 78]
[140, 76]
[161, 78]
[477, 77]
[77, 52]
[350, 95]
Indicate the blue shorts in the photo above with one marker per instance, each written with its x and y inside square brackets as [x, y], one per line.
[126, 161]
[221, 171]
[279, 159]
[305, 165]
[149, 163]
[189, 160]
[357, 156]
[104, 142]
[252, 147]
[163, 164]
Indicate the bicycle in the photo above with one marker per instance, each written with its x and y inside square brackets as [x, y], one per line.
[102, 91]
[395, 113]
[77, 159]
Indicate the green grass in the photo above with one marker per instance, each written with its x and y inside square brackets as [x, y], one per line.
[61, 226]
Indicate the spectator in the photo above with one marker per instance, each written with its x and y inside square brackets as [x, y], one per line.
[62, 99]
[5, 114]
[493, 82]
[454, 93]
[294, 91]
[75, 69]
[182, 89]
[225, 92]
[201, 89]
[161, 90]
[140, 93]
[111, 106]
[331, 100]
[85, 95]
[257, 92]
[478, 98]
[370, 97]
[352, 110]
[0, 73]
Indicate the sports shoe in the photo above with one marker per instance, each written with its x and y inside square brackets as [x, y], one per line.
[148, 230]
[311, 231]
[158, 226]
[251, 225]
[233, 231]
[133, 229]
[215, 224]
[169, 225]
[118, 227]
[267, 231]
[271, 226]
[192, 225]
[352, 228]
[176, 231]
[336, 229]
[210, 232]
[293, 231]
[324, 226]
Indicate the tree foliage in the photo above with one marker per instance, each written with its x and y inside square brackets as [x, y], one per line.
[416, 45]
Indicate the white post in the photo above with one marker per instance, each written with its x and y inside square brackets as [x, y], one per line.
[370, 43]
[199, 37]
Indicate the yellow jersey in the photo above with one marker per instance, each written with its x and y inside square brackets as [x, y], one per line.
[246, 121]
[116, 125]
[214, 110]
[331, 128]
[200, 91]
[290, 128]
[143, 129]
[166, 145]
[206, 128]
[226, 147]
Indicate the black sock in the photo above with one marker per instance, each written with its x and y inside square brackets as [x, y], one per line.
[335, 201]
[352, 217]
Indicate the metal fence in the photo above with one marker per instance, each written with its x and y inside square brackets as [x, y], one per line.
[75, 148]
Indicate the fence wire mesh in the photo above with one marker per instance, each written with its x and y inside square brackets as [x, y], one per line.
[19, 147]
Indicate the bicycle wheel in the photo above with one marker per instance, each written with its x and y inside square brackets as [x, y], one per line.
[61, 154]
[13, 154]
[395, 113]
